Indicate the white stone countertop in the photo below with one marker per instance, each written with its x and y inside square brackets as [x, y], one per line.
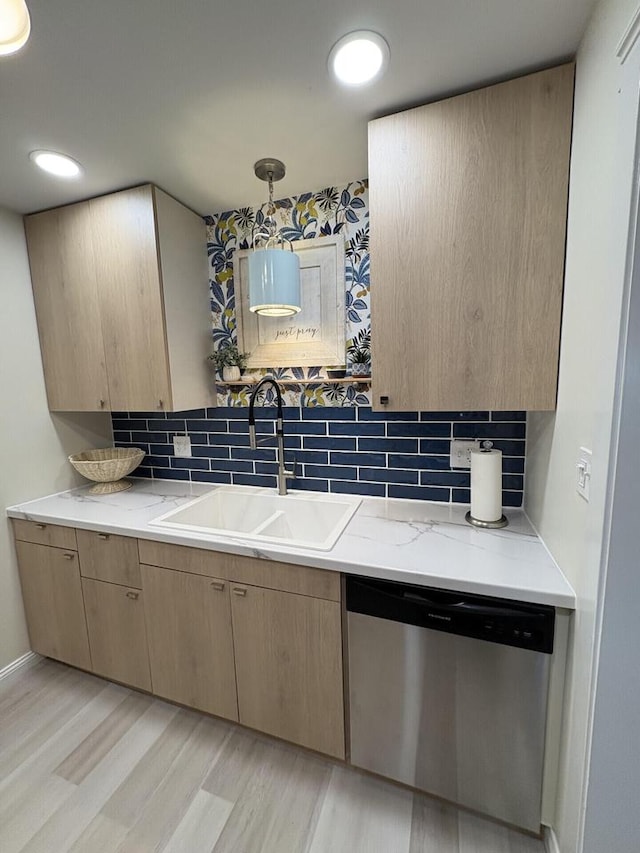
[418, 542]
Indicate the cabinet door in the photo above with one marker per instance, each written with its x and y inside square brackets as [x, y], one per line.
[130, 299]
[66, 299]
[53, 604]
[190, 642]
[289, 666]
[117, 636]
[468, 201]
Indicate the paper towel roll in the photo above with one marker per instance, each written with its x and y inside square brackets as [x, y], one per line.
[486, 485]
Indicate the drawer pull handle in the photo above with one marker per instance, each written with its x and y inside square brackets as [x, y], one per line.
[237, 590]
[133, 595]
[160, 404]
[217, 586]
[101, 404]
[68, 556]
[103, 535]
[41, 526]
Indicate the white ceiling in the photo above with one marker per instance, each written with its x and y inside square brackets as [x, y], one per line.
[189, 93]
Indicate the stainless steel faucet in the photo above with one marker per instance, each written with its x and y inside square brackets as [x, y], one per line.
[283, 473]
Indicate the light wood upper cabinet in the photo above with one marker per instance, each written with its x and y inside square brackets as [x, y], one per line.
[190, 642]
[50, 579]
[120, 286]
[65, 292]
[117, 634]
[288, 652]
[468, 201]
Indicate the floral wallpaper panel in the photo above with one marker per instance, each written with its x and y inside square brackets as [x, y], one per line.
[333, 210]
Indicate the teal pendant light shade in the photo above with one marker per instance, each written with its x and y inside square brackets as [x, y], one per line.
[274, 282]
[274, 272]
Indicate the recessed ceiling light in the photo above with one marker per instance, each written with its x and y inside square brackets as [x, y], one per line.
[15, 25]
[56, 164]
[359, 57]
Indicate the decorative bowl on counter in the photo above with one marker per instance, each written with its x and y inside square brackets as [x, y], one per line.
[107, 466]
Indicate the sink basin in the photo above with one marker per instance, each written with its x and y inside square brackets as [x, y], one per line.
[306, 521]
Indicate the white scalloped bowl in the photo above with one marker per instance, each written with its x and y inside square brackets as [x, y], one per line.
[107, 466]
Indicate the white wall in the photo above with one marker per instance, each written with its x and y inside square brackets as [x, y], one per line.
[34, 445]
[612, 817]
[599, 199]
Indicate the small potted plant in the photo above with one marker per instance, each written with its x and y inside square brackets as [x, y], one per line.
[359, 352]
[229, 361]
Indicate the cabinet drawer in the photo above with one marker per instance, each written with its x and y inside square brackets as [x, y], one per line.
[110, 558]
[316, 583]
[117, 634]
[41, 533]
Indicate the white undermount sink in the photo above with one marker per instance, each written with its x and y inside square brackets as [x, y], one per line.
[243, 512]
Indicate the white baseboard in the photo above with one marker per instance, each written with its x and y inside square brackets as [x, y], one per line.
[28, 659]
[550, 840]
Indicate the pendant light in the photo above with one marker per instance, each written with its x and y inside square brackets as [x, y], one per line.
[274, 269]
[15, 25]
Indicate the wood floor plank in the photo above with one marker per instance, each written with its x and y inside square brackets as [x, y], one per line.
[24, 686]
[239, 759]
[103, 738]
[22, 823]
[478, 835]
[278, 808]
[201, 826]
[24, 722]
[361, 814]
[28, 776]
[434, 826]
[162, 814]
[63, 829]
[129, 799]
[102, 835]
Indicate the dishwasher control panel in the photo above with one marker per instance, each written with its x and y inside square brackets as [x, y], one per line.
[497, 620]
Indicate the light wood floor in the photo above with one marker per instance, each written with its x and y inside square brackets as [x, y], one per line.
[91, 767]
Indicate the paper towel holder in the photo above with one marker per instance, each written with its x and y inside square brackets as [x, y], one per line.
[476, 522]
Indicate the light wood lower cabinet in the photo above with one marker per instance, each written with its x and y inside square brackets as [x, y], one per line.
[52, 595]
[190, 642]
[268, 657]
[288, 654]
[117, 635]
[106, 557]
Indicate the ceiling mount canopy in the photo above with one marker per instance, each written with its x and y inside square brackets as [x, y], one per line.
[274, 271]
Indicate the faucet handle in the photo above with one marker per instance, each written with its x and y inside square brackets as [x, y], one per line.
[252, 436]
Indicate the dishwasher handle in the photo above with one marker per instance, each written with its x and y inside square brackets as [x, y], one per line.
[466, 605]
[512, 623]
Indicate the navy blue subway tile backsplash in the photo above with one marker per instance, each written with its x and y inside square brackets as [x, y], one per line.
[349, 450]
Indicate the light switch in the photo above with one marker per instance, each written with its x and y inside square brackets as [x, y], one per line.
[182, 445]
[583, 473]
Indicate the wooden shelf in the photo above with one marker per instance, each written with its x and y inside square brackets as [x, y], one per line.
[347, 380]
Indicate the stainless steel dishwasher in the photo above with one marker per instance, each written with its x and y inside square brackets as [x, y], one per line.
[448, 693]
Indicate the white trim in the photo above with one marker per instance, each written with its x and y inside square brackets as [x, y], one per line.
[550, 841]
[629, 37]
[28, 659]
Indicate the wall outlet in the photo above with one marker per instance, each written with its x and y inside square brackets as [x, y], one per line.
[460, 452]
[583, 473]
[181, 445]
